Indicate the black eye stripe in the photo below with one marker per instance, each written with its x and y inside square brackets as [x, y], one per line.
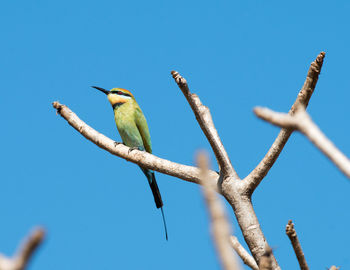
[121, 93]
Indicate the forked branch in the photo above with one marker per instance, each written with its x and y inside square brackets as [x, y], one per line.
[237, 193]
[256, 176]
[230, 188]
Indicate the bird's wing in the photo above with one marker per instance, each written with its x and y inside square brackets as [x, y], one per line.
[142, 126]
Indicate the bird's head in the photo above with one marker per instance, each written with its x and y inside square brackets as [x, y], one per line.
[116, 96]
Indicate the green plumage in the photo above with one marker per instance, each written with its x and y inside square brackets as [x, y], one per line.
[133, 130]
[132, 126]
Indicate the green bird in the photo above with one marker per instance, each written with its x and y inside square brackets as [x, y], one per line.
[133, 130]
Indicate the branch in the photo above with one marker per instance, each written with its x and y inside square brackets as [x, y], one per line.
[245, 256]
[206, 123]
[292, 234]
[302, 122]
[142, 158]
[256, 176]
[21, 259]
[219, 224]
[333, 267]
[266, 260]
[243, 208]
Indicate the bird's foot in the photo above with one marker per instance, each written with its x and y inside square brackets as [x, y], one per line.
[132, 149]
[116, 143]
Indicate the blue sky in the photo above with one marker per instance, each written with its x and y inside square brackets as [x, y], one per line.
[97, 209]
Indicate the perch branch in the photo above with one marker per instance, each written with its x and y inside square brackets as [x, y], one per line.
[292, 234]
[206, 123]
[302, 122]
[219, 224]
[256, 176]
[144, 159]
[241, 251]
[333, 267]
[21, 259]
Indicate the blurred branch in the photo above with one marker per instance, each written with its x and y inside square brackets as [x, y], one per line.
[206, 123]
[142, 158]
[219, 224]
[292, 234]
[333, 267]
[245, 256]
[302, 122]
[256, 176]
[21, 259]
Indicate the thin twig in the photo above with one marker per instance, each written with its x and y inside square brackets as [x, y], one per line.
[256, 176]
[142, 158]
[21, 259]
[243, 253]
[292, 234]
[206, 123]
[219, 224]
[302, 122]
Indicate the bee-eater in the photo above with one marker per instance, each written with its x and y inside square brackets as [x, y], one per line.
[133, 130]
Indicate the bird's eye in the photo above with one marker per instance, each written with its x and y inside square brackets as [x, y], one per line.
[120, 93]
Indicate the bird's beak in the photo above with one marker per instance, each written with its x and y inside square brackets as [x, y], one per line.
[101, 89]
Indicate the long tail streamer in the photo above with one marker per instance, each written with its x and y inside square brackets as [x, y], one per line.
[165, 228]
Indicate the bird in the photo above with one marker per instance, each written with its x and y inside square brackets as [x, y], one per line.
[133, 129]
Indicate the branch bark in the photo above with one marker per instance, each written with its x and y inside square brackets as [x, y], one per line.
[206, 123]
[256, 176]
[302, 122]
[219, 224]
[142, 158]
[266, 260]
[21, 259]
[245, 256]
[292, 234]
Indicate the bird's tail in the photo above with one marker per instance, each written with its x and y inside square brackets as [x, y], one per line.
[156, 194]
[166, 230]
[154, 187]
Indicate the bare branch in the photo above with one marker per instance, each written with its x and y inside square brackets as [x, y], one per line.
[333, 267]
[142, 158]
[245, 256]
[206, 123]
[21, 259]
[219, 224]
[292, 234]
[243, 208]
[256, 176]
[283, 120]
[302, 122]
[266, 260]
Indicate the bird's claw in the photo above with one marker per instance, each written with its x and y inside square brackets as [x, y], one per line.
[116, 143]
[132, 149]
